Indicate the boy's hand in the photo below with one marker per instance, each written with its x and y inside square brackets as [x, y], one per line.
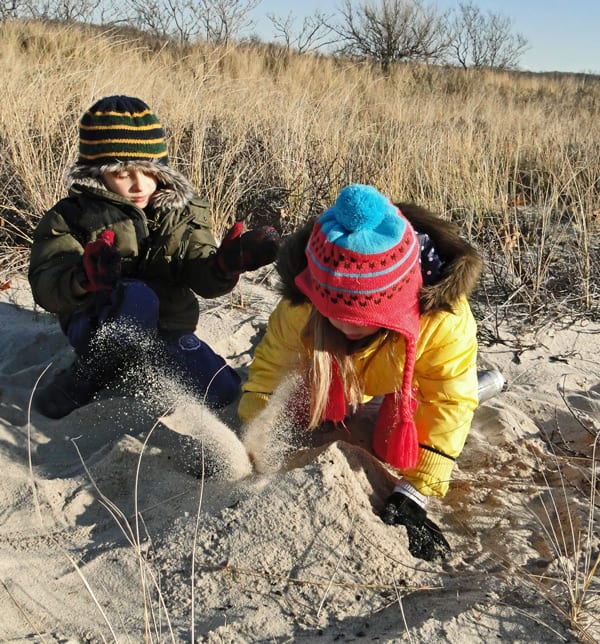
[425, 539]
[240, 252]
[101, 263]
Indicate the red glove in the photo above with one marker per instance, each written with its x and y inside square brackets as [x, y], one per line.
[248, 251]
[101, 263]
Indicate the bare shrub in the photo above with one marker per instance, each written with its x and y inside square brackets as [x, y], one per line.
[513, 157]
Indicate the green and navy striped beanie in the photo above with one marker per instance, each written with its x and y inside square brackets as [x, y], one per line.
[121, 129]
[363, 268]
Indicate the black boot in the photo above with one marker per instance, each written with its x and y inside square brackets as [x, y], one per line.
[70, 389]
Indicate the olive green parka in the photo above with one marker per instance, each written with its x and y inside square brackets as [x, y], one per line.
[169, 246]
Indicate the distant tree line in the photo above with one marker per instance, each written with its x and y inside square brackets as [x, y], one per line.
[394, 31]
[382, 31]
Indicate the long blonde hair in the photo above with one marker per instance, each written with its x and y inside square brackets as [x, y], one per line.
[327, 344]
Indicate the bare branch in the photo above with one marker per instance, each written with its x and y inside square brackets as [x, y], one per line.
[221, 21]
[484, 40]
[314, 33]
[392, 31]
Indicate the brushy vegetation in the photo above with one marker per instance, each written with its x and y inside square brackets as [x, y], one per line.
[272, 136]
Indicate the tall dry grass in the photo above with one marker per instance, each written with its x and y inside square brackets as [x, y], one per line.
[270, 136]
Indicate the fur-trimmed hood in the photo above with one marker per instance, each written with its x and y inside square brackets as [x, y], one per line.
[173, 192]
[459, 275]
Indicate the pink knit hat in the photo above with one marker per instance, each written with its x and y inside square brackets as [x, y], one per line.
[363, 268]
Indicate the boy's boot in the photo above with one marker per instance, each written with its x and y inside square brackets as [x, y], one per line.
[70, 389]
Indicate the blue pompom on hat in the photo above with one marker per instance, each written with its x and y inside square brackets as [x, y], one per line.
[363, 220]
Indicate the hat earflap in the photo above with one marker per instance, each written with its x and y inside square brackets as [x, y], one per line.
[336, 402]
[395, 437]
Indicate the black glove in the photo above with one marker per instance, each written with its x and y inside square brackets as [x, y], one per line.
[425, 539]
[101, 263]
[248, 251]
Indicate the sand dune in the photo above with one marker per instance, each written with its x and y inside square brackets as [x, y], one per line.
[144, 518]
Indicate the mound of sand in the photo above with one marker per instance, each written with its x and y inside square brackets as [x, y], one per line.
[129, 521]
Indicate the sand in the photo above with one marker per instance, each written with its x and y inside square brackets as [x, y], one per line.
[142, 518]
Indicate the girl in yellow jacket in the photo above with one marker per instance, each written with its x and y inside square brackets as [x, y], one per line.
[375, 305]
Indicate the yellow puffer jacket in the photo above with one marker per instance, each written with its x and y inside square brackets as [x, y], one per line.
[445, 374]
[445, 378]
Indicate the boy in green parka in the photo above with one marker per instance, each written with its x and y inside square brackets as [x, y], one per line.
[124, 257]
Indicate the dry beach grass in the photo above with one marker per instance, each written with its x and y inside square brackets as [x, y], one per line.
[115, 525]
[272, 136]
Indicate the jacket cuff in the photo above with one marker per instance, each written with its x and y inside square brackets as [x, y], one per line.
[251, 404]
[66, 290]
[431, 476]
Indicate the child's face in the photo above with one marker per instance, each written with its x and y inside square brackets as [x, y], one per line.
[353, 331]
[135, 185]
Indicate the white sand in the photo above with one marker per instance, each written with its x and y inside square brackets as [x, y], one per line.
[135, 547]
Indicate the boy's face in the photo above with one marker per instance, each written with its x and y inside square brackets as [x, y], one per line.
[134, 185]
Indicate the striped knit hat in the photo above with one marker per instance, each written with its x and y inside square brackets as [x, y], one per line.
[121, 129]
[363, 268]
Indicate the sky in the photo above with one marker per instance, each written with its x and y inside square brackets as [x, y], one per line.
[563, 35]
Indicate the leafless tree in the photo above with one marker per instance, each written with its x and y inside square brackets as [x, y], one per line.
[484, 40]
[222, 21]
[10, 9]
[216, 21]
[163, 18]
[314, 33]
[61, 10]
[392, 31]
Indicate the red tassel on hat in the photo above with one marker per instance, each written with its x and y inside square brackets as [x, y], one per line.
[395, 438]
[403, 446]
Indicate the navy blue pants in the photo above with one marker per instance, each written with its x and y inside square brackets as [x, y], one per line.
[127, 317]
